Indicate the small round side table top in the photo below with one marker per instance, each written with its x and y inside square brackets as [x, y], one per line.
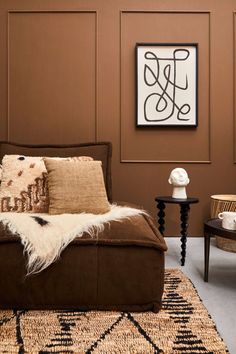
[169, 199]
[214, 226]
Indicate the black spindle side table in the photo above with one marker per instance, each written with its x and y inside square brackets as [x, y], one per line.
[184, 215]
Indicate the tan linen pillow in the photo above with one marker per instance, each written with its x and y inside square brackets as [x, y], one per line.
[76, 187]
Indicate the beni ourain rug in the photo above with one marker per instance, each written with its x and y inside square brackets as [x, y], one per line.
[183, 326]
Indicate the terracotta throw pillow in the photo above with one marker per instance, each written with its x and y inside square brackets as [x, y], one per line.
[24, 183]
[76, 186]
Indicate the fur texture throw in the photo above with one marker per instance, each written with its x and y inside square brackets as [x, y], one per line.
[44, 236]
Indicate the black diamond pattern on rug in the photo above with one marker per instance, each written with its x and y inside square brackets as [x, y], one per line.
[104, 334]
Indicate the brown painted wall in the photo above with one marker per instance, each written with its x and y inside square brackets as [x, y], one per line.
[67, 75]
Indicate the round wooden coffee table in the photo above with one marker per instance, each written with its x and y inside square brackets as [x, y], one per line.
[214, 227]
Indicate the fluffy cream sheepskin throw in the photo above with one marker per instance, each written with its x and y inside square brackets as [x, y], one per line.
[44, 236]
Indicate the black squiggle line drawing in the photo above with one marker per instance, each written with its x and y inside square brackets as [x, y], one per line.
[164, 96]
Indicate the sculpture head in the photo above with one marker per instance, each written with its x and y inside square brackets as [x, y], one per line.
[178, 177]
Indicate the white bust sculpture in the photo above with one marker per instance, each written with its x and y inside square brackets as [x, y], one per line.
[179, 179]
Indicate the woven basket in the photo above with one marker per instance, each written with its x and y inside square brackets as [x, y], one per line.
[220, 203]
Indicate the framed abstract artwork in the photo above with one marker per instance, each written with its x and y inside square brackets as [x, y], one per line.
[166, 84]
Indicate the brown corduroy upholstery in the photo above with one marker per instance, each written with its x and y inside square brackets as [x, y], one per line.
[122, 268]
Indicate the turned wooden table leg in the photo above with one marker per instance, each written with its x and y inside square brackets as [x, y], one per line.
[207, 238]
[161, 217]
[184, 213]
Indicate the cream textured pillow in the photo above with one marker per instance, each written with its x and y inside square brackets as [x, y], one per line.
[24, 183]
[76, 186]
[23, 186]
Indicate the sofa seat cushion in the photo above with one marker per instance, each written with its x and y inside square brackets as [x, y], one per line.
[136, 230]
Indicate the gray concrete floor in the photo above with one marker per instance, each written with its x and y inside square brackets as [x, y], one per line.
[219, 294]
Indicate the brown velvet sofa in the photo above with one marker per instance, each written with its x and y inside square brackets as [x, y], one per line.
[121, 270]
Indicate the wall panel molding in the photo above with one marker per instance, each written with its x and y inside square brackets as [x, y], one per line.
[63, 11]
[234, 87]
[123, 159]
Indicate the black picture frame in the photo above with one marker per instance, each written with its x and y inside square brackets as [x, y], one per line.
[166, 84]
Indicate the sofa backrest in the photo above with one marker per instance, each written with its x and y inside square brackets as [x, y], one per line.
[98, 151]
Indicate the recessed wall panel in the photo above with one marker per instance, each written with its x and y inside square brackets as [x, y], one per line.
[234, 88]
[164, 144]
[51, 77]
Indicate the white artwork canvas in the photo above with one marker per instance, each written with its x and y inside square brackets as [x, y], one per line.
[166, 84]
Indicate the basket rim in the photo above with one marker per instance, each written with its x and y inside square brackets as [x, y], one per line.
[224, 197]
